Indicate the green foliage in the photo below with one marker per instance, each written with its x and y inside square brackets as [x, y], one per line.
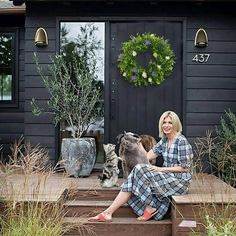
[159, 66]
[223, 157]
[223, 228]
[5, 52]
[220, 150]
[32, 218]
[74, 93]
[218, 220]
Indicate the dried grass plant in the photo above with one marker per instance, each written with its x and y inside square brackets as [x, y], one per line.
[24, 181]
[202, 151]
[26, 158]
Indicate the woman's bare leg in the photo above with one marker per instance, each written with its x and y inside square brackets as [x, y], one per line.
[119, 201]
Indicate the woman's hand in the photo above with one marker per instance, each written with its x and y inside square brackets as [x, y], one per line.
[152, 168]
[175, 169]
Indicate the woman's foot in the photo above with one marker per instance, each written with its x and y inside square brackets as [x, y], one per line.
[101, 217]
[148, 213]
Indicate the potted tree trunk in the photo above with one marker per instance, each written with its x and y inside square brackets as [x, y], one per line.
[75, 100]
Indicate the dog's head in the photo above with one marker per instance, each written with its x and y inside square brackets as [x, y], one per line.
[128, 137]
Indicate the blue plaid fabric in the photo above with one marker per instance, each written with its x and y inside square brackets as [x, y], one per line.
[154, 188]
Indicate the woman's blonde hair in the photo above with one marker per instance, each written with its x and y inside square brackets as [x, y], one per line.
[177, 126]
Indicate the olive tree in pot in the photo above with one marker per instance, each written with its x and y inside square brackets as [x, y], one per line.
[75, 98]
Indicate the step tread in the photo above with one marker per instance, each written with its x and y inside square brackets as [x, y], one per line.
[88, 203]
[117, 220]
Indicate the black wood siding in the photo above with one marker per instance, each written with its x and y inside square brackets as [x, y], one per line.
[211, 86]
[208, 89]
[39, 129]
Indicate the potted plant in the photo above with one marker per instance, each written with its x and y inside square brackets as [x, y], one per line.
[75, 101]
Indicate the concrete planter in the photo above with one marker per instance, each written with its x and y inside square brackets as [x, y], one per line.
[79, 155]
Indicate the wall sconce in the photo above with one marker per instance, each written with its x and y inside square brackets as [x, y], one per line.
[41, 37]
[201, 39]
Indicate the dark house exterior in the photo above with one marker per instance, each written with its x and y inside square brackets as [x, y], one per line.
[200, 89]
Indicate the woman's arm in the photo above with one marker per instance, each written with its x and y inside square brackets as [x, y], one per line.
[175, 169]
[150, 155]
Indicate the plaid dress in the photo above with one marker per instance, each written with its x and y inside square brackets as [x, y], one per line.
[154, 188]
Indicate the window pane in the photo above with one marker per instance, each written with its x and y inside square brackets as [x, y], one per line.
[6, 87]
[83, 38]
[5, 67]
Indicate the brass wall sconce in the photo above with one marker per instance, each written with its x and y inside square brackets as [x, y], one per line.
[41, 38]
[201, 38]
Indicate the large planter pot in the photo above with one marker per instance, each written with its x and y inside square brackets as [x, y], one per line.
[79, 155]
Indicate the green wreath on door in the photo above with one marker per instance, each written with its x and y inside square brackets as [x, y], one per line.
[158, 68]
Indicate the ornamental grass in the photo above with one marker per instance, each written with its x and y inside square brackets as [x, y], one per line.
[22, 210]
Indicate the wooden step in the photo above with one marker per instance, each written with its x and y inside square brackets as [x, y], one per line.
[94, 194]
[121, 226]
[91, 208]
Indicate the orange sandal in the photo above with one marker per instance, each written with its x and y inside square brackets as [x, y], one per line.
[147, 216]
[99, 218]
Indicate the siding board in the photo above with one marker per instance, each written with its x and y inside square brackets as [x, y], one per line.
[41, 103]
[39, 130]
[211, 70]
[9, 138]
[210, 106]
[34, 82]
[211, 95]
[38, 93]
[11, 128]
[43, 142]
[211, 23]
[32, 70]
[30, 118]
[203, 118]
[199, 130]
[42, 57]
[211, 82]
[36, 21]
[29, 44]
[11, 117]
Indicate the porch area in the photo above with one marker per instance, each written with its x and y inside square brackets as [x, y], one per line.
[83, 197]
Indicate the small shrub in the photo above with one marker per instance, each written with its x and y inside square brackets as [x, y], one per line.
[223, 157]
[220, 150]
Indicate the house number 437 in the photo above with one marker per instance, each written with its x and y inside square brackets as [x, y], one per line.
[201, 58]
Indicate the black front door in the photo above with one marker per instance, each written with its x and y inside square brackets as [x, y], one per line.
[137, 109]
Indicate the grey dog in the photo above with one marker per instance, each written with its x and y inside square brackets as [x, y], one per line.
[130, 152]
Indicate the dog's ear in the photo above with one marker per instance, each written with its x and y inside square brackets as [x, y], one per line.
[119, 137]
